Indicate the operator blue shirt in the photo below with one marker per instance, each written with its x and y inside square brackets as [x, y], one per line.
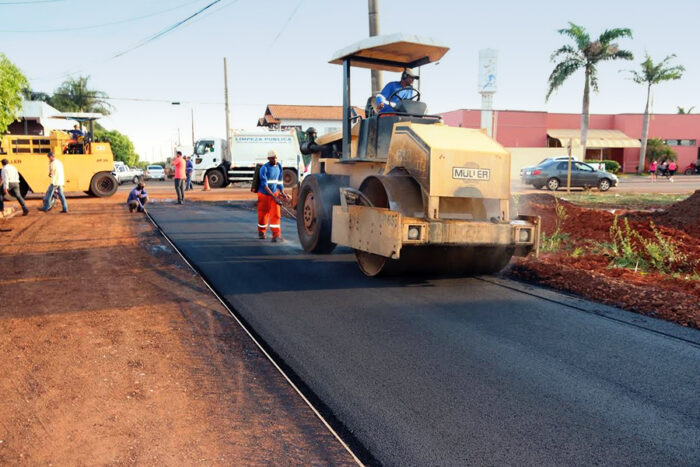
[136, 195]
[189, 168]
[270, 176]
[388, 90]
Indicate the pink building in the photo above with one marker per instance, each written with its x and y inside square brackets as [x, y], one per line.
[514, 128]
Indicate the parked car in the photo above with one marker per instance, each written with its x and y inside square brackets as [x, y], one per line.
[154, 172]
[553, 174]
[546, 159]
[124, 173]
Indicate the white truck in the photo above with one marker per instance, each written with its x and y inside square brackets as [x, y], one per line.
[248, 148]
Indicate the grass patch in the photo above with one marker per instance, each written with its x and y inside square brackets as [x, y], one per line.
[558, 239]
[623, 200]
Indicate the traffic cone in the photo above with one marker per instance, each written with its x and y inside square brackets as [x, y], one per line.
[206, 184]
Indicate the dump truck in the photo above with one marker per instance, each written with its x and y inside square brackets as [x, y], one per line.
[405, 191]
[88, 164]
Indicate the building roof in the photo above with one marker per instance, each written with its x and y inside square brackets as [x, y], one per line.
[274, 113]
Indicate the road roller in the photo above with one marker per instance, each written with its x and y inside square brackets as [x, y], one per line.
[406, 192]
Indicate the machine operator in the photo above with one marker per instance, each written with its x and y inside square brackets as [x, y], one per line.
[407, 77]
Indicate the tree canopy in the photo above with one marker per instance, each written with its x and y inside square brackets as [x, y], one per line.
[122, 147]
[685, 110]
[12, 83]
[586, 54]
[659, 151]
[74, 95]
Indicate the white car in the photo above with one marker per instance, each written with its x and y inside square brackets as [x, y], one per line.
[154, 172]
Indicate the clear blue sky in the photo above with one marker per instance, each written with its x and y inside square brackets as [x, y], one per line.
[273, 59]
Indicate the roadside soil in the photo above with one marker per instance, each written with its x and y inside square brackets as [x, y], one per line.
[589, 272]
[114, 352]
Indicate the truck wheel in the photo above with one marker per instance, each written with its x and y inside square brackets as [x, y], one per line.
[552, 184]
[317, 196]
[23, 187]
[103, 184]
[135, 180]
[290, 178]
[216, 179]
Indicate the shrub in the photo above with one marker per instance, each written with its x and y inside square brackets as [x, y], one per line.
[610, 166]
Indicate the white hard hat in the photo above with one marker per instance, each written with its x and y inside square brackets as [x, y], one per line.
[271, 153]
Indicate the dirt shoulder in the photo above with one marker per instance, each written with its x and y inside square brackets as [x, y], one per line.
[651, 265]
[113, 351]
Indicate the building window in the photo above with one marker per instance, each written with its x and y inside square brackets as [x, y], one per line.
[681, 142]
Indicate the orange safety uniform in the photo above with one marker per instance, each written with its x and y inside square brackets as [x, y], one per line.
[269, 212]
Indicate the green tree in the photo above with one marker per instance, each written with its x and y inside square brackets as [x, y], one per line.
[122, 147]
[657, 150]
[651, 74]
[585, 54]
[684, 111]
[12, 83]
[74, 95]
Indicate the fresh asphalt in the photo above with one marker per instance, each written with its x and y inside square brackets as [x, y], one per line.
[454, 371]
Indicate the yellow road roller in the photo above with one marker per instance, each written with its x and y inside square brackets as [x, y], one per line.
[408, 193]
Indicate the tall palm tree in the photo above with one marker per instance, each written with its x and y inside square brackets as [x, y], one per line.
[653, 73]
[74, 95]
[585, 54]
[684, 111]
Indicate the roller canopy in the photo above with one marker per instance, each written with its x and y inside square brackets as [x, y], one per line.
[391, 53]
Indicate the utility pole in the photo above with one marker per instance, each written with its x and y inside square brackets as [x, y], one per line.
[228, 118]
[192, 114]
[374, 31]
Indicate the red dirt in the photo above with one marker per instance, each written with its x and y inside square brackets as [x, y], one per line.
[112, 351]
[590, 275]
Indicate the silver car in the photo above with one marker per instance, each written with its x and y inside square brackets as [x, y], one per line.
[154, 172]
[553, 175]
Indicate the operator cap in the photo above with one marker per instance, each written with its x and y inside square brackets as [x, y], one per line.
[411, 72]
[271, 153]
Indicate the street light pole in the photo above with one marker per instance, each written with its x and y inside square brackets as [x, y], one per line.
[228, 118]
[192, 114]
[374, 31]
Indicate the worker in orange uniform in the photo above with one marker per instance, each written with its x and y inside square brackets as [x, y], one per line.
[270, 196]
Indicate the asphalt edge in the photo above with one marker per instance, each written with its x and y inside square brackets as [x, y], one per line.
[630, 318]
[335, 426]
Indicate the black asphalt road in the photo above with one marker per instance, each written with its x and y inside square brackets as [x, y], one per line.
[456, 371]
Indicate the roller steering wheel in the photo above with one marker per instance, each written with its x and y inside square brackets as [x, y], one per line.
[415, 96]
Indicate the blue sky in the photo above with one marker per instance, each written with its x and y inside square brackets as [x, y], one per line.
[278, 52]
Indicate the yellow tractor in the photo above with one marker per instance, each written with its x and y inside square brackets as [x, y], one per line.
[88, 165]
[405, 191]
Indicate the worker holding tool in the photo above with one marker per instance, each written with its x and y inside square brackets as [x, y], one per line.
[270, 196]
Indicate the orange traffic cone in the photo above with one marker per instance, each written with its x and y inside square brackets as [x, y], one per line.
[206, 184]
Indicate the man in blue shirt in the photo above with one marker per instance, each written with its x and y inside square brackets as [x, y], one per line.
[384, 104]
[270, 196]
[76, 133]
[137, 198]
[189, 169]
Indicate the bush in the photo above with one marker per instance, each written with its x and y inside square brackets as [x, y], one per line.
[610, 166]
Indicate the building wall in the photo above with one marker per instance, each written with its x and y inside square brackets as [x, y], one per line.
[529, 129]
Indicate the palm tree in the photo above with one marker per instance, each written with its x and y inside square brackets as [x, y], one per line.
[74, 95]
[585, 54]
[684, 111]
[653, 73]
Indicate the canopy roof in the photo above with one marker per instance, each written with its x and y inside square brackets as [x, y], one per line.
[78, 116]
[595, 139]
[391, 53]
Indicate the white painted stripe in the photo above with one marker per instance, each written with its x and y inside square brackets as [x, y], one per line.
[262, 226]
[275, 226]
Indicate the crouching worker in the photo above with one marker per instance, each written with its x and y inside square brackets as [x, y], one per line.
[270, 196]
[137, 198]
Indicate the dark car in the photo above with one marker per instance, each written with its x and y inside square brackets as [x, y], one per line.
[553, 175]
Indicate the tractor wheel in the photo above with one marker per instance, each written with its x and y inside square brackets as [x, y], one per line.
[317, 196]
[103, 184]
[23, 187]
[216, 179]
[289, 178]
[553, 184]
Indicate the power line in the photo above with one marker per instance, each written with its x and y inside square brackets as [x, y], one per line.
[294, 11]
[97, 26]
[166, 30]
[31, 2]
